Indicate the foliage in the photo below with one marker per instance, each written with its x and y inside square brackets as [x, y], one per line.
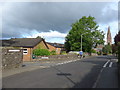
[41, 52]
[119, 52]
[53, 52]
[93, 51]
[117, 38]
[114, 49]
[91, 36]
[63, 53]
[99, 53]
[107, 49]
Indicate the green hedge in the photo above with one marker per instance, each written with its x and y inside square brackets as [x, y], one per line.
[93, 51]
[41, 52]
[53, 52]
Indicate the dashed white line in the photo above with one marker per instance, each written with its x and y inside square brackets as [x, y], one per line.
[110, 65]
[67, 62]
[106, 63]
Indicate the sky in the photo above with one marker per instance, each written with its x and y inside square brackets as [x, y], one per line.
[53, 20]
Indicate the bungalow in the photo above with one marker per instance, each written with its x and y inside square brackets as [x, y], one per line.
[27, 44]
[57, 47]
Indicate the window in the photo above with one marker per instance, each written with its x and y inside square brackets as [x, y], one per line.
[25, 51]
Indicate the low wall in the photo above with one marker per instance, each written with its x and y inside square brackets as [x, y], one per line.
[71, 56]
[11, 58]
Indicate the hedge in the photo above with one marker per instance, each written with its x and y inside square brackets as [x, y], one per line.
[41, 52]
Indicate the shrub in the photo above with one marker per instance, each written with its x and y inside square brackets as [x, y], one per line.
[93, 51]
[63, 53]
[119, 53]
[99, 53]
[53, 52]
[41, 52]
[107, 49]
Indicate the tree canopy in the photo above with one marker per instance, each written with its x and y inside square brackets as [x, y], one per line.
[107, 49]
[117, 38]
[91, 36]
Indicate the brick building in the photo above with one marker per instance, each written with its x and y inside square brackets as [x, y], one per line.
[57, 47]
[26, 44]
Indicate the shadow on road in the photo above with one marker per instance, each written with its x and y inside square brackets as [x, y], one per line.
[89, 78]
[64, 74]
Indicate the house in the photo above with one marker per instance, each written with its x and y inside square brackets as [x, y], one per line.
[99, 48]
[57, 47]
[27, 44]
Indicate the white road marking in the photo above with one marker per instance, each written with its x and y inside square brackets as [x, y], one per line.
[67, 62]
[106, 63]
[110, 65]
[116, 60]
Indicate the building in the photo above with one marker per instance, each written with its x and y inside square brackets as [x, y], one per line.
[57, 47]
[26, 44]
[99, 48]
[109, 38]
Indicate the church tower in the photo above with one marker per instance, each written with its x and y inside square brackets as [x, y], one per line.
[109, 38]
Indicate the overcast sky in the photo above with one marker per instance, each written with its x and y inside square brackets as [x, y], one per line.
[52, 20]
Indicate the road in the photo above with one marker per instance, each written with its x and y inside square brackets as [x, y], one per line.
[94, 72]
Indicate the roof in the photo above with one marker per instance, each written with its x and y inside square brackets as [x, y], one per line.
[57, 45]
[100, 46]
[22, 42]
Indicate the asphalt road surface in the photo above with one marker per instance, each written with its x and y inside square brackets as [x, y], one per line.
[94, 72]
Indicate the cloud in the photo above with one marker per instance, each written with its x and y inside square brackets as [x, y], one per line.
[20, 19]
[50, 34]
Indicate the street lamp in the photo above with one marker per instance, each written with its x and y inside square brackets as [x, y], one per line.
[81, 40]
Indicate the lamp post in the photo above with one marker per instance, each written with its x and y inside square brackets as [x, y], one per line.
[81, 40]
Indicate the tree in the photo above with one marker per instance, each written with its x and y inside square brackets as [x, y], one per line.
[107, 49]
[117, 38]
[91, 36]
[117, 43]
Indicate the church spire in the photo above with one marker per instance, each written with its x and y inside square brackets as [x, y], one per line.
[109, 38]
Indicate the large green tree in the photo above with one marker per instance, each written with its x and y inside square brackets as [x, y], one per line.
[107, 49]
[91, 36]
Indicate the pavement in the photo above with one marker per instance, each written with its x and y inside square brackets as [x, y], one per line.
[93, 72]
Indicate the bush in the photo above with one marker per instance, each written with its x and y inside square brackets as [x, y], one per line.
[99, 53]
[41, 52]
[63, 53]
[119, 54]
[93, 51]
[107, 49]
[53, 52]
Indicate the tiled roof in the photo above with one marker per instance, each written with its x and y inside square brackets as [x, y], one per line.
[21, 42]
[57, 45]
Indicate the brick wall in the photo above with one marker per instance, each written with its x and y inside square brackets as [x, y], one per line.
[28, 56]
[40, 45]
[58, 50]
[51, 48]
[11, 59]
